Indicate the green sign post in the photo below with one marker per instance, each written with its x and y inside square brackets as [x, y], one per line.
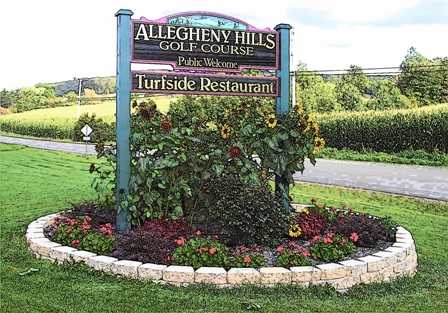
[203, 43]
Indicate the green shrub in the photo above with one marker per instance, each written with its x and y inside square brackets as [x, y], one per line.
[102, 131]
[198, 252]
[248, 213]
[331, 247]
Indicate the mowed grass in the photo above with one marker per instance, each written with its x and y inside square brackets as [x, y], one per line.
[36, 183]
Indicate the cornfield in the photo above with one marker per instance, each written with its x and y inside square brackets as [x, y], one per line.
[387, 131]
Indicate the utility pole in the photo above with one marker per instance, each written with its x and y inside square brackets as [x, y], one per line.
[79, 94]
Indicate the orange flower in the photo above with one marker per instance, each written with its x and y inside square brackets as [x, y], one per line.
[246, 259]
[212, 250]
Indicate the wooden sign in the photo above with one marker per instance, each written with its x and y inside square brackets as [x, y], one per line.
[189, 83]
[202, 41]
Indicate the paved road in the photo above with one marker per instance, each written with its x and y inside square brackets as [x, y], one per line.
[416, 181]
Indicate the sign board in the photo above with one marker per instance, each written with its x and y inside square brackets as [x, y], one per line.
[86, 130]
[204, 41]
[86, 138]
[190, 83]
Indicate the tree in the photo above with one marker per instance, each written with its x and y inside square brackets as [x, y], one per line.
[387, 96]
[6, 98]
[423, 79]
[348, 96]
[356, 77]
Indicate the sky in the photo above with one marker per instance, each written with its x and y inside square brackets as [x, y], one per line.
[50, 41]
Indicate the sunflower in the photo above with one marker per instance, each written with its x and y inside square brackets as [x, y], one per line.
[146, 114]
[166, 126]
[225, 131]
[271, 120]
[294, 230]
[319, 143]
[235, 152]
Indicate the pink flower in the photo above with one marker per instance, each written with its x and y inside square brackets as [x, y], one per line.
[198, 233]
[328, 240]
[75, 242]
[330, 235]
[180, 241]
[69, 230]
[320, 206]
[212, 250]
[292, 244]
[314, 240]
[246, 259]
[280, 249]
[215, 237]
[354, 237]
[202, 249]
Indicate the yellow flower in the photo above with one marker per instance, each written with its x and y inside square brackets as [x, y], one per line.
[271, 120]
[294, 230]
[225, 131]
[319, 143]
[291, 197]
[227, 113]
[305, 211]
[263, 175]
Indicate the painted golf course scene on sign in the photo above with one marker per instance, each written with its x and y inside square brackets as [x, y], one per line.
[192, 200]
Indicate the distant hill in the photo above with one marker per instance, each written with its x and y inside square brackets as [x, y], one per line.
[101, 85]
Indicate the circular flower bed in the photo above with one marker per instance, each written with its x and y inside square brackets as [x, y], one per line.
[313, 235]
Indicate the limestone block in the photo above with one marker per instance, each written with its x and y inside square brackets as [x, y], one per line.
[179, 274]
[240, 276]
[340, 284]
[399, 252]
[374, 263]
[30, 236]
[211, 275]
[43, 247]
[126, 268]
[354, 267]
[389, 258]
[81, 256]
[275, 275]
[304, 285]
[332, 271]
[101, 263]
[151, 271]
[61, 254]
[371, 277]
[301, 274]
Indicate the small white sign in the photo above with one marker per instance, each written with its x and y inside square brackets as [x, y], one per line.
[86, 130]
[86, 138]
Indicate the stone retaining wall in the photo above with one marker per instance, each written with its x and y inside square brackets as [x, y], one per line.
[396, 261]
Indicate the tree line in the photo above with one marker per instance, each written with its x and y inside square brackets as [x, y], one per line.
[420, 82]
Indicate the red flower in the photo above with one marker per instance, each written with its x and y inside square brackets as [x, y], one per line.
[212, 250]
[313, 200]
[202, 249]
[320, 206]
[350, 209]
[69, 230]
[75, 242]
[280, 249]
[198, 233]
[106, 195]
[235, 152]
[246, 259]
[354, 237]
[342, 241]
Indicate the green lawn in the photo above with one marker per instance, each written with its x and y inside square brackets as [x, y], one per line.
[36, 183]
